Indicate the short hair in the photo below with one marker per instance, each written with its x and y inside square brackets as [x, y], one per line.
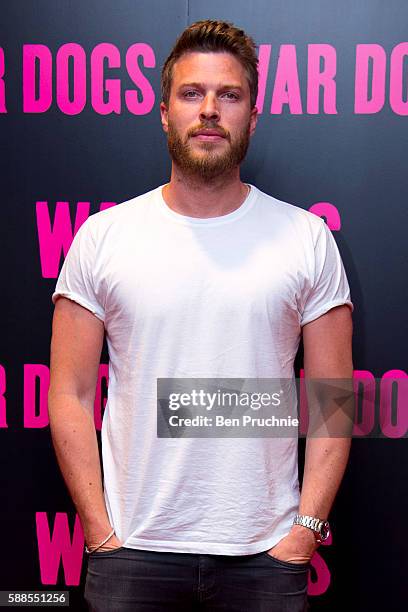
[213, 36]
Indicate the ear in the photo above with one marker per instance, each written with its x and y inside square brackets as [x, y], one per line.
[253, 120]
[164, 113]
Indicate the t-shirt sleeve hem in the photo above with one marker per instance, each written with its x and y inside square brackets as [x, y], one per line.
[323, 309]
[80, 300]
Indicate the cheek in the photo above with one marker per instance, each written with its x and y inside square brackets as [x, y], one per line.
[236, 118]
[179, 124]
[240, 128]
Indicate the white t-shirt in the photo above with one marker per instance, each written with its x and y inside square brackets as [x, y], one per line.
[188, 297]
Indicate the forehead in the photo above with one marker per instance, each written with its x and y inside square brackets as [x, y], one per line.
[208, 67]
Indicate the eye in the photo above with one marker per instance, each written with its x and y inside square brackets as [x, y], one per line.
[190, 94]
[230, 95]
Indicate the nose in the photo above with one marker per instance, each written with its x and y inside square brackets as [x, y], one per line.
[209, 109]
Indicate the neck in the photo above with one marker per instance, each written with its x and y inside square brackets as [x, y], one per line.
[194, 197]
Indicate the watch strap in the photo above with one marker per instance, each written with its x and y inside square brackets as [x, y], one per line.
[313, 523]
[308, 521]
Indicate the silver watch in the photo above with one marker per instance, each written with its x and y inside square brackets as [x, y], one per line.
[320, 528]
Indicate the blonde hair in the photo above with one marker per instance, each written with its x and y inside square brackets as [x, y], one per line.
[213, 36]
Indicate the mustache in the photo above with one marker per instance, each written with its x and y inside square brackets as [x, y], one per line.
[209, 126]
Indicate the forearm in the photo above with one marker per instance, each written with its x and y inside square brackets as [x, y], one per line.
[325, 464]
[76, 447]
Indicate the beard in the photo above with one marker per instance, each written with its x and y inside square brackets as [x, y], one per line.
[208, 163]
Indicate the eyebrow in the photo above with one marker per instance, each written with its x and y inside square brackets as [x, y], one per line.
[201, 86]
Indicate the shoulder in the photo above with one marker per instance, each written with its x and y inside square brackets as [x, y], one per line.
[122, 215]
[288, 216]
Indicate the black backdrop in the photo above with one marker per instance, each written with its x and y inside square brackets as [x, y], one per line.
[351, 158]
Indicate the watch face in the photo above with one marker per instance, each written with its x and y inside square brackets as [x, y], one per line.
[325, 531]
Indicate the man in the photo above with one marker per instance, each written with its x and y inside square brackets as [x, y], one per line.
[204, 277]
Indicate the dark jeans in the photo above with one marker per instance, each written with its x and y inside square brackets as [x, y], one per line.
[144, 580]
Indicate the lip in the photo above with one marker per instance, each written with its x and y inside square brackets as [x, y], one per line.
[208, 135]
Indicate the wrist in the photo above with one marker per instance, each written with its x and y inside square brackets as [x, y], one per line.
[319, 528]
[94, 534]
[303, 533]
[91, 548]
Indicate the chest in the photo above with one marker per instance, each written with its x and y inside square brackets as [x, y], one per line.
[170, 276]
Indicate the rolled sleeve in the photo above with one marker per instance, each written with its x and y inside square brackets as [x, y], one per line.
[330, 286]
[75, 280]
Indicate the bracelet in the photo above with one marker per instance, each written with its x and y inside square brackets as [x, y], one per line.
[90, 550]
